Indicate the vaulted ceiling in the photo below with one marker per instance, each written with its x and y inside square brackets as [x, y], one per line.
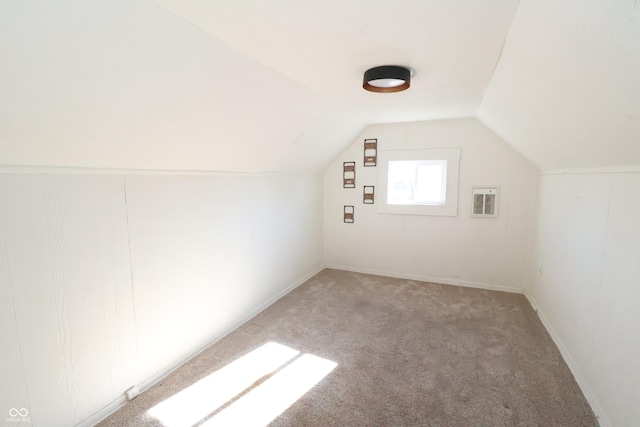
[566, 92]
[276, 86]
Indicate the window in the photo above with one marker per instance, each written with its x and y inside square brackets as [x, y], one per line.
[419, 182]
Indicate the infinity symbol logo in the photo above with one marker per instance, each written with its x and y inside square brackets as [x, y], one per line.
[13, 412]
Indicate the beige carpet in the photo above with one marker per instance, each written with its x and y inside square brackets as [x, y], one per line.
[408, 354]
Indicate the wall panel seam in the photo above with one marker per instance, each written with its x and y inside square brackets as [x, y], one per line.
[13, 303]
[133, 293]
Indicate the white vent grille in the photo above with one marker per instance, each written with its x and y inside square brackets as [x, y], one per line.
[485, 202]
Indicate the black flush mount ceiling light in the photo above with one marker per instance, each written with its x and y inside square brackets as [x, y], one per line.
[387, 78]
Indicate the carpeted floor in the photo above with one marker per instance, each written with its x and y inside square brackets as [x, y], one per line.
[408, 354]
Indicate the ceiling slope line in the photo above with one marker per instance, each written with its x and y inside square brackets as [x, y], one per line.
[236, 50]
[498, 59]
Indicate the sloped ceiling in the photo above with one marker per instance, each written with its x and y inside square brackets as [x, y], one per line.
[125, 84]
[234, 86]
[255, 86]
[326, 46]
[566, 92]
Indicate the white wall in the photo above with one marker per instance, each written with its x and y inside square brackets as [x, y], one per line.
[482, 252]
[585, 282]
[107, 281]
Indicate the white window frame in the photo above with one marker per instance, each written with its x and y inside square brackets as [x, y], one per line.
[451, 155]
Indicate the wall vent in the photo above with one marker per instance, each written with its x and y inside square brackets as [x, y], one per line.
[485, 202]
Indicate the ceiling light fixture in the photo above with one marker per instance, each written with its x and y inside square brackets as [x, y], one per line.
[387, 78]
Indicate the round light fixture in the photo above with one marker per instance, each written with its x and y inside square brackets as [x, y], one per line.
[387, 78]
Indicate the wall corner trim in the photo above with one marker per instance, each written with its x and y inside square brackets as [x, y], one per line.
[592, 171]
[76, 170]
[573, 367]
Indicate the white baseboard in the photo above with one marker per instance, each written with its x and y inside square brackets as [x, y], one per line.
[580, 379]
[154, 379]
[439, 280]
[104, 412]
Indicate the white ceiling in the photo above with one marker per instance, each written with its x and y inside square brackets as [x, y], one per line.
[276, 86]
[566, 92]
[125, 84]
[326, 46]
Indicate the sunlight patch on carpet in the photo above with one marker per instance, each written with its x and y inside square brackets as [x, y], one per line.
[197, 401]
[239, 392]
[268, 400]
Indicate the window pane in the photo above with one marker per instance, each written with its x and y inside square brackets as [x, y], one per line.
[431, 183]
[401, 184]
[421, 182]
